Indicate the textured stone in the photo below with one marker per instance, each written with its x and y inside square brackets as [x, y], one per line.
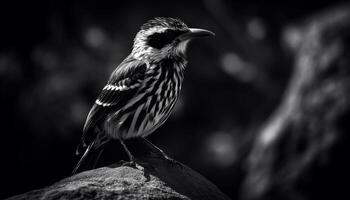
[153, 178]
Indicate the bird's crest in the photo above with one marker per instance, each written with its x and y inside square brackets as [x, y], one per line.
[165, 22]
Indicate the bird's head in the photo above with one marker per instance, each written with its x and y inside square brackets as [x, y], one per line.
[164, 37]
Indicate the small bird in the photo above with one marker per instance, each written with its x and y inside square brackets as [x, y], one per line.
[142, 91]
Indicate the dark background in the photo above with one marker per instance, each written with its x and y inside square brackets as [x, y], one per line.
[55, 56]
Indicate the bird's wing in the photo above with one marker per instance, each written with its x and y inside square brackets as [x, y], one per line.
[122, 85]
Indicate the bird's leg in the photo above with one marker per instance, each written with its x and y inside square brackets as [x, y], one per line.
[131, 157]
[161, 152]
[97, 158]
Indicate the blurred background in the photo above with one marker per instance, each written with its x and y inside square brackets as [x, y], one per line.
[55, 56]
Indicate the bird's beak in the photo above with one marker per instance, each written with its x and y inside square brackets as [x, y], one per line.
[195, 33]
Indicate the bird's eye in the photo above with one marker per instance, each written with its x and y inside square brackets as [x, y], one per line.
[159, 40]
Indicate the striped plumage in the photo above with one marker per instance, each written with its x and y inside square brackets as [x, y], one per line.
[142, 90]
[139, 104]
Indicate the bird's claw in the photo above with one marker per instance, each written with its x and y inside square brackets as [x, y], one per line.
[132, 164]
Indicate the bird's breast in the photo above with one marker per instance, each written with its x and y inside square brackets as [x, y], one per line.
[162, 99]
[151, 105]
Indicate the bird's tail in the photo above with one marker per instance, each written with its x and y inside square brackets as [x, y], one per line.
[89, 159]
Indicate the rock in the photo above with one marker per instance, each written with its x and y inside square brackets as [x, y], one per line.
[153, 178]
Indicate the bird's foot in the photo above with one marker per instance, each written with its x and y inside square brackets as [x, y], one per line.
[172, 162]
[132, 164]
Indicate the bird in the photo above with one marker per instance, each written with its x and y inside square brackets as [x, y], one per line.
[141, 91]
